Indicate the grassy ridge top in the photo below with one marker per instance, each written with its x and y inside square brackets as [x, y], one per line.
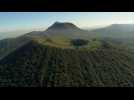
[66, 43]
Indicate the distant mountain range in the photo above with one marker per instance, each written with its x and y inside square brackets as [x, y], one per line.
[115, 31]
[62, 29]
[72, 31]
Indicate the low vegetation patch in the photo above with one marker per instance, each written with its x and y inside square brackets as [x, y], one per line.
[79, 42]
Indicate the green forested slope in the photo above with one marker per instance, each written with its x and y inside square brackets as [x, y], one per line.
[36, 64]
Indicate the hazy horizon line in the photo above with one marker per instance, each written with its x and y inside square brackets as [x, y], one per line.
[43, 28]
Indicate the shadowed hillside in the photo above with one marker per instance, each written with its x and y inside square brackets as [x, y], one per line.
[9, 45]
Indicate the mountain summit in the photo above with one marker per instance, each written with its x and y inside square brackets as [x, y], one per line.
[62, 25]
[61, 29]
[65, 29]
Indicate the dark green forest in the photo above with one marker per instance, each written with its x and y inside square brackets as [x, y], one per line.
[37, 65]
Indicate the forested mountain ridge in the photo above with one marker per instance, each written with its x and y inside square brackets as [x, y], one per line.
[36, 64]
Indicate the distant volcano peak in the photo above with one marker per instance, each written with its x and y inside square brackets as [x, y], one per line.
[64, 29]
[63, 25]
[57, 22]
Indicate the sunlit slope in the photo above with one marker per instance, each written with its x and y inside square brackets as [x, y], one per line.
[65, 42]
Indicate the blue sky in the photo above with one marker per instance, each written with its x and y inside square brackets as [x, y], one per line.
[24, 21]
